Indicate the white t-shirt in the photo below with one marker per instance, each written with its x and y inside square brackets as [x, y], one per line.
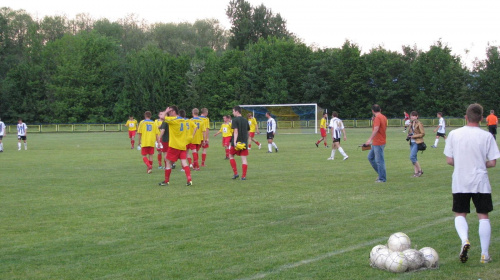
[2, 129]
[21, 129]
[336, 125]
[442, 126]
[271, 125]
[470, 147]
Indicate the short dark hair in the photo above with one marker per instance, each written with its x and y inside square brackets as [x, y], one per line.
[335, 114]
[376, 108]
[414, 113]
[474, 113]
[147, 114]
[440, 113]
[237, 109]
[175, 109]
[182, 113]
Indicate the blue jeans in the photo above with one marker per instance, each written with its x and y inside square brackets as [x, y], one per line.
[376, 159]
[413, 152]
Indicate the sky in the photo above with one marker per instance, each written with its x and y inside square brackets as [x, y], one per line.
[465, 26]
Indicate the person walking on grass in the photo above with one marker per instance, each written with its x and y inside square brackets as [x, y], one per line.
[271, 131]
[415, 135]
[22, 131]
[322, 129]
[378, 140]
[441, 130]
[492, 122]
[337, 127]
[471, 150]
[239, 146]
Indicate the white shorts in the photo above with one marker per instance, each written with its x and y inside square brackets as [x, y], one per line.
[407, 122]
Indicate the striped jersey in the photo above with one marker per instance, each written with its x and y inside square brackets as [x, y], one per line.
[271, 125]
[148, 131]
[442, 126]
[2, 129]
[21, 129]
[336, 125]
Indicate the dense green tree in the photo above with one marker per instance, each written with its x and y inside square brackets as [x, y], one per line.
[485, 81]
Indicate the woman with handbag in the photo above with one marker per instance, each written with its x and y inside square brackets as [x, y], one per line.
[416, 137]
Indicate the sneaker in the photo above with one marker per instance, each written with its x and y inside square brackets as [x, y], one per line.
[132, 147]
[191, 166]
[317, 145]
[236, 176]
[485, 259]
[269, 152]
[243, 178]
[276, 149]
[150, 169]
[203, 164]
[182, 170]
[196, 169]
[433, 146]
[190, 183]
[346, 157]
[463, 252]
[19, 149]
[260, 146]
[160, 167]
[163, 183]
[330, 158]
[379, 181]
[173, 166]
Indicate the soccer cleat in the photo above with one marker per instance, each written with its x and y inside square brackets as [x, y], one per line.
[163, 183]
[236, 176]
[463, 252]
[260, 146]
[191, 166]
[160, 167]
[276, 149]
[243, 178]
[326, 146]
[485, 259]
[330, 158]
[190, 183]
[317, 145]
[269, 152]
[173, 166]
[249, 148]
[433, 146]
[132, 147]
[346, 157]
[226, 158]
[196, 169]
[150, 169]
[203, 164]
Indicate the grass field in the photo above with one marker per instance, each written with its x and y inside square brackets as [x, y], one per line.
[81, 206]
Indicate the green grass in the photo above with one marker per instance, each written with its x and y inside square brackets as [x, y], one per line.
[81, 206]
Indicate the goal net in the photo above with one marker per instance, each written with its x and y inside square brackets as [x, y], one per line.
[290, 118]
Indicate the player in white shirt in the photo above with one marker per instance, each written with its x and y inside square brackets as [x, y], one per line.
[2, 134]
[22, 130]
[441, 130]
[471, 150]
[337, 127]
[271, 131]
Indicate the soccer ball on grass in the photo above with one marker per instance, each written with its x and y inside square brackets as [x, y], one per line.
[398, 242]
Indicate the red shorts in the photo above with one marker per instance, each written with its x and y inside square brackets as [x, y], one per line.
[165, 147]
[226, 141]
[323, 132]
[251, 134]
[194, 146]
[233, 152]
[173, 154]
[204, 146]
[147, 151]
[131, 133]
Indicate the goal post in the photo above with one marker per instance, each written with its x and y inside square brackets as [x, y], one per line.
[290, 118]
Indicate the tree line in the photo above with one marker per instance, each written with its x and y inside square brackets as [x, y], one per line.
[81, 70]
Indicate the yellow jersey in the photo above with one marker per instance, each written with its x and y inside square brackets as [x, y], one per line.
[322, 124]
[253, 124]
[178, 130]
[207, 122]
[158, 123]
[148, 131]
[226, 129]
[199, 123]
[132, 125]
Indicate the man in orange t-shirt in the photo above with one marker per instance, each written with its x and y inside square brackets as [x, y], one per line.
[492, 121]
[378, 140]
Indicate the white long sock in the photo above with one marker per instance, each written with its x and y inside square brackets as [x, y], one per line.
[270, 147]
[485, 236]
[274, 145]
[342, 151]
[19, 146]
[25, 146]
[1, 146]
[462, 228]
[436, 142]
[332, 155]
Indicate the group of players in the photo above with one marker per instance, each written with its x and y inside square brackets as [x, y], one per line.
[173, 135]
[22, 131]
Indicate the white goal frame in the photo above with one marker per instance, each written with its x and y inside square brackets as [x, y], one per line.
[290, 105]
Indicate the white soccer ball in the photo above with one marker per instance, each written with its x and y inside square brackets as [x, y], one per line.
[396, 262]
[375, 253]
[380, 258]
[398, 242]
[415, 259]
[431, 257]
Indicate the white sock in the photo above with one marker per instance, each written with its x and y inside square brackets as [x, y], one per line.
[332, 155]
[485, 236]
[342, 151]
[462, 228]
[19, 146]
[25, 146]
[436, 142]
[274, 145]
[270, 147]
[1, 146]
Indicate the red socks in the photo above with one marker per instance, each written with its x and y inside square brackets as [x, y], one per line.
[233, 165]
[244, 167]
[159, 159]
[203, 158]
[195, 160]
[187, 170]
[167, 175]
[148, 163]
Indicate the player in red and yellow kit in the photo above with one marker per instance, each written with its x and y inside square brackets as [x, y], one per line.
[178, 139]
[227, 132]
[149, 134]
[198, 137]
[204, 145]
[159, 148]
[252, 122]
[322, 129]
[132, 129]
